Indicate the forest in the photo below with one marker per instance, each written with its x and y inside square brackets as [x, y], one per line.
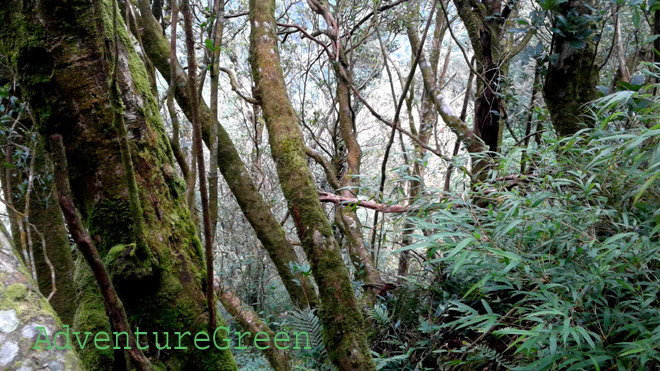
[358, 185]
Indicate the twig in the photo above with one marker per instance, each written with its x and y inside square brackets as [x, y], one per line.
[48, 263]
[234, 86]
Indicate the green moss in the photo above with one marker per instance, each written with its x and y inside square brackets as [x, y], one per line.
[91, 316]
[109, 223]
[141, 81]
[16, 291]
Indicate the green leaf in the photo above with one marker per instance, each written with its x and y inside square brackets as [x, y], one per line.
[645, 187]
[509, 227]
[460, 246]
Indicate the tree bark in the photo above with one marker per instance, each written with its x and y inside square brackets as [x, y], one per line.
[485, 23]
[113, 306]
[572, 77]
[345, 337]
[62, 66]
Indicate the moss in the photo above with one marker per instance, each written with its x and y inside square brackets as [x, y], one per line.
[91, 316]
[16, 291]
[108, 223]
[141, 81]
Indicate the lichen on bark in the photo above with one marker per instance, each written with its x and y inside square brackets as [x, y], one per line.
[22, 311]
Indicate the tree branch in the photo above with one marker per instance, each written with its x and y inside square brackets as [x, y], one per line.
[234, 86]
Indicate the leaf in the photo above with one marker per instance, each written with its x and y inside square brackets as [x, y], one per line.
[209, 44]
[645, 187]
[513, 331]
[460, 246]
[577, 44]
[636, 18]
[618, 237]
[553, 343]
[509, 227]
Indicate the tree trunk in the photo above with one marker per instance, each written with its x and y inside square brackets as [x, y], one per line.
[46, 226]
[350, 184]
[23, 312]
[345, 337]
[46, 216]
[64, 73]
[484, 24]
[656, 42]
[253, 206]
[572, 76]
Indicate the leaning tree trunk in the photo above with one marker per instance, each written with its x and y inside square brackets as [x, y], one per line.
[61, 61]
[267, 228]
[22, 311]
[572, 77]
[345, 337]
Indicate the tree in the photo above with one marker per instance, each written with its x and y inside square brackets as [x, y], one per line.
[234, 171]
[572, 75]
[342, 320]
[62, 62]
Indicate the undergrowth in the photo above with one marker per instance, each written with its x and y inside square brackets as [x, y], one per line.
[556, 269]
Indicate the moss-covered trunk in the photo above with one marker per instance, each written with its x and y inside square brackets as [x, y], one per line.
[59, 52]
[46, 216]
[344, 327]
[249, 320]
[46, 228]
[572, 75]
[238, 178]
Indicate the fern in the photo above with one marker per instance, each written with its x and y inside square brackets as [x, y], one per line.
[305, 320]
[379, 314]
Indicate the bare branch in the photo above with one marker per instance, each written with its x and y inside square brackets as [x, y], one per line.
[234, 86]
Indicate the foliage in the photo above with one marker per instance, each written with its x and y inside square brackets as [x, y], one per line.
[306, 321]
[554, 270]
